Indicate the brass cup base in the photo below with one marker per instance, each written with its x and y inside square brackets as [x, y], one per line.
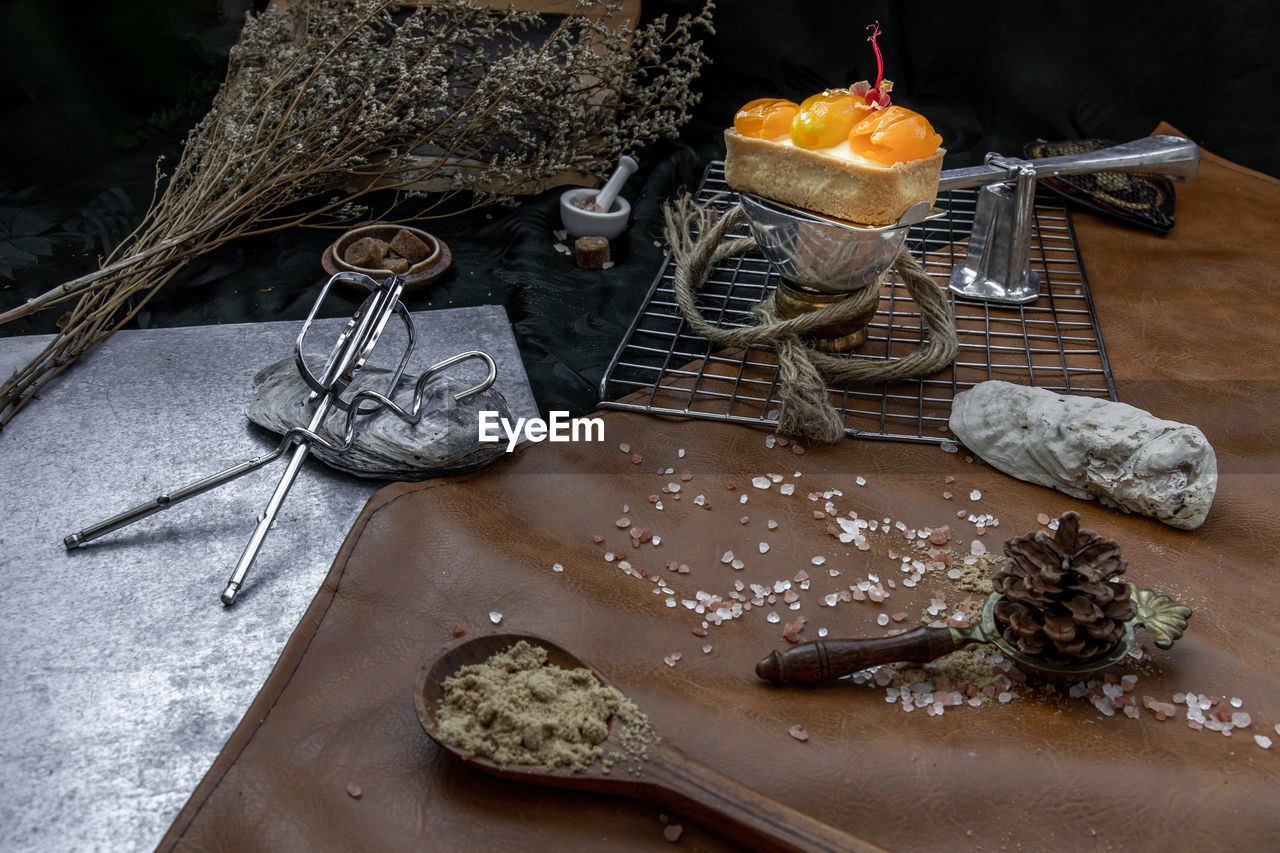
[794, 300]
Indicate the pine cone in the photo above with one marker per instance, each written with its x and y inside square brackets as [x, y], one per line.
[1062, 600]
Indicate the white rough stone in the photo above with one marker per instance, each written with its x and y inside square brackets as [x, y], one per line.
[1091, 448]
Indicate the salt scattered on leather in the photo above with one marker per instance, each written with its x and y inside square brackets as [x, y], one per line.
[969, 677]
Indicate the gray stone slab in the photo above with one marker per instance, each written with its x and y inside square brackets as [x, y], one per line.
[122, 674]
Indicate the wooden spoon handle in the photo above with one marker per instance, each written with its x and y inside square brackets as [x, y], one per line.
[809, 663]
[761, 823]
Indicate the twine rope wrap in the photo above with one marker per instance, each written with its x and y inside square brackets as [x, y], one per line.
[803, 372]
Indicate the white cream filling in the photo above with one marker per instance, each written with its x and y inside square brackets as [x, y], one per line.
[840, 151]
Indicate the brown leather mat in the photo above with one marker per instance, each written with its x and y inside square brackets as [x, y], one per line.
[1189, 321]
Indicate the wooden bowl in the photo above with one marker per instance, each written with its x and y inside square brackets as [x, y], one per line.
[421, 274]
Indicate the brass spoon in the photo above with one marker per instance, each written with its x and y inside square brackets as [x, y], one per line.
[667, 776]
[823, 660]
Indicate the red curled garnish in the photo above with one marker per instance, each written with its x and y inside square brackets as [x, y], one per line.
[875, 33]
[878, 95]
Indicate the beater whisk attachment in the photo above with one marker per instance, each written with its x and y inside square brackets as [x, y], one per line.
[349, 353]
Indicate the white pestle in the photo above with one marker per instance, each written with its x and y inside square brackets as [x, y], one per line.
[626, 168]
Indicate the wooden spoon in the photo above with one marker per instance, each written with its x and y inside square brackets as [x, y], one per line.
[667, 776]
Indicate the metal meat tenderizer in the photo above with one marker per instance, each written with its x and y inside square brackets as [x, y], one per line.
[348, 355]
[997, 267]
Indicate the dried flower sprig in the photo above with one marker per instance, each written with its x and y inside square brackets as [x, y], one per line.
[327, 101]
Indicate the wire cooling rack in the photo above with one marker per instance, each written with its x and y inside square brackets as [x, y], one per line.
[664, 367]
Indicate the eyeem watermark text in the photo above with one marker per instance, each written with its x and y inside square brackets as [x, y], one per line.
[561, 427]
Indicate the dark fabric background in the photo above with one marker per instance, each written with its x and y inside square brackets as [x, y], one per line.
[92, 95]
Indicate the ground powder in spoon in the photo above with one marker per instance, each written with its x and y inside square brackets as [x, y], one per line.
[516, 709]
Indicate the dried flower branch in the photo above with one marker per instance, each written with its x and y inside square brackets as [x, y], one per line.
[328, 101]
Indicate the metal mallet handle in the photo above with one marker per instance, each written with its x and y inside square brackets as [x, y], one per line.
[1172, 156]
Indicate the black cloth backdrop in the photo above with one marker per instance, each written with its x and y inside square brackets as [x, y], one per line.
[93, 95]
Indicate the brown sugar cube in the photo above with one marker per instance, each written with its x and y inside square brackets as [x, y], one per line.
[409, 246]
[366, 252]
[592, 252]
[394, 263]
